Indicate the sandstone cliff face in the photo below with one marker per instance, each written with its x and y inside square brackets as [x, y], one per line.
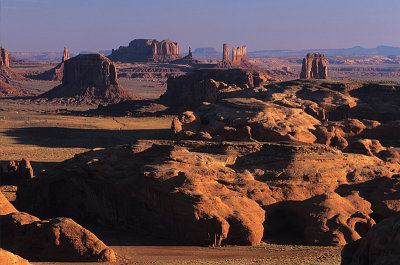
[221, 193]
[204, 85]
[4, 59]
[89, 78]
[7, 75]
[143, 50]
[314, 67]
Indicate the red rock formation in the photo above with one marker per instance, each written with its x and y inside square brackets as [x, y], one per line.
[381, 245]
[8, 258]
[89, 78]
[143, 50]
[225, 56]
[17, 172]
[210, 193]
[239, 58]
[65, 55]
[54, 74]
[59, 239]
[314, 67]
[5, 206]
[7, 75]
[4, 59]
[191, 90]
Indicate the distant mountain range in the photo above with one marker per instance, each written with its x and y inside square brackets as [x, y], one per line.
[210, 53]
[203, 53]
[357, 50]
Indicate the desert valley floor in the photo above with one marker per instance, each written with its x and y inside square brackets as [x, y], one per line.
[33, 131]
[268, 148]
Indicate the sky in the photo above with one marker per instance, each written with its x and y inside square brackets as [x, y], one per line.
[92, 25]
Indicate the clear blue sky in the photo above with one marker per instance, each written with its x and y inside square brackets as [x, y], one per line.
[49, 25]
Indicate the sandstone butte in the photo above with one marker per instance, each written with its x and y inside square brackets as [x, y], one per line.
[89, 78]
[314, 67]
[239, 58]
[147, 50]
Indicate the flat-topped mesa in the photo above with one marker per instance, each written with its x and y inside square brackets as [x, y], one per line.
[65, 55]
[90, 78]
[147, 50]
[314, 67]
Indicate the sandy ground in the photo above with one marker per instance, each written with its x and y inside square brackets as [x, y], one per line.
[266, 254]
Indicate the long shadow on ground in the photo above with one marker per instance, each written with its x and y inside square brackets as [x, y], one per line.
[82, 138]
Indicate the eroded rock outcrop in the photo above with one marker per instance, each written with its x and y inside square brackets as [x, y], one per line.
[205, 85]
[5, 206]
[239, 58]
[65, 55]
[56, 73]
[89, 78]
[59, 239]
[17, 171]
[217, 193]
[314, 67]
[8, 258]
[326, 112]
[245, 119]
[378, 247]
[188, 59]
[7, 75]
[146, 50]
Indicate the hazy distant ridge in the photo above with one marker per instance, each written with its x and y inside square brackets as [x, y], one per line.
[207, 53]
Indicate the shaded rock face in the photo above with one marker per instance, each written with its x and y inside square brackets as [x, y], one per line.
[9, 258]
[89, 78]
[204, 85]
[17, 171]
[379, 246]
[59, 239]
[219, 193]
[314, 67]
[145, 50]
[327, 219]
